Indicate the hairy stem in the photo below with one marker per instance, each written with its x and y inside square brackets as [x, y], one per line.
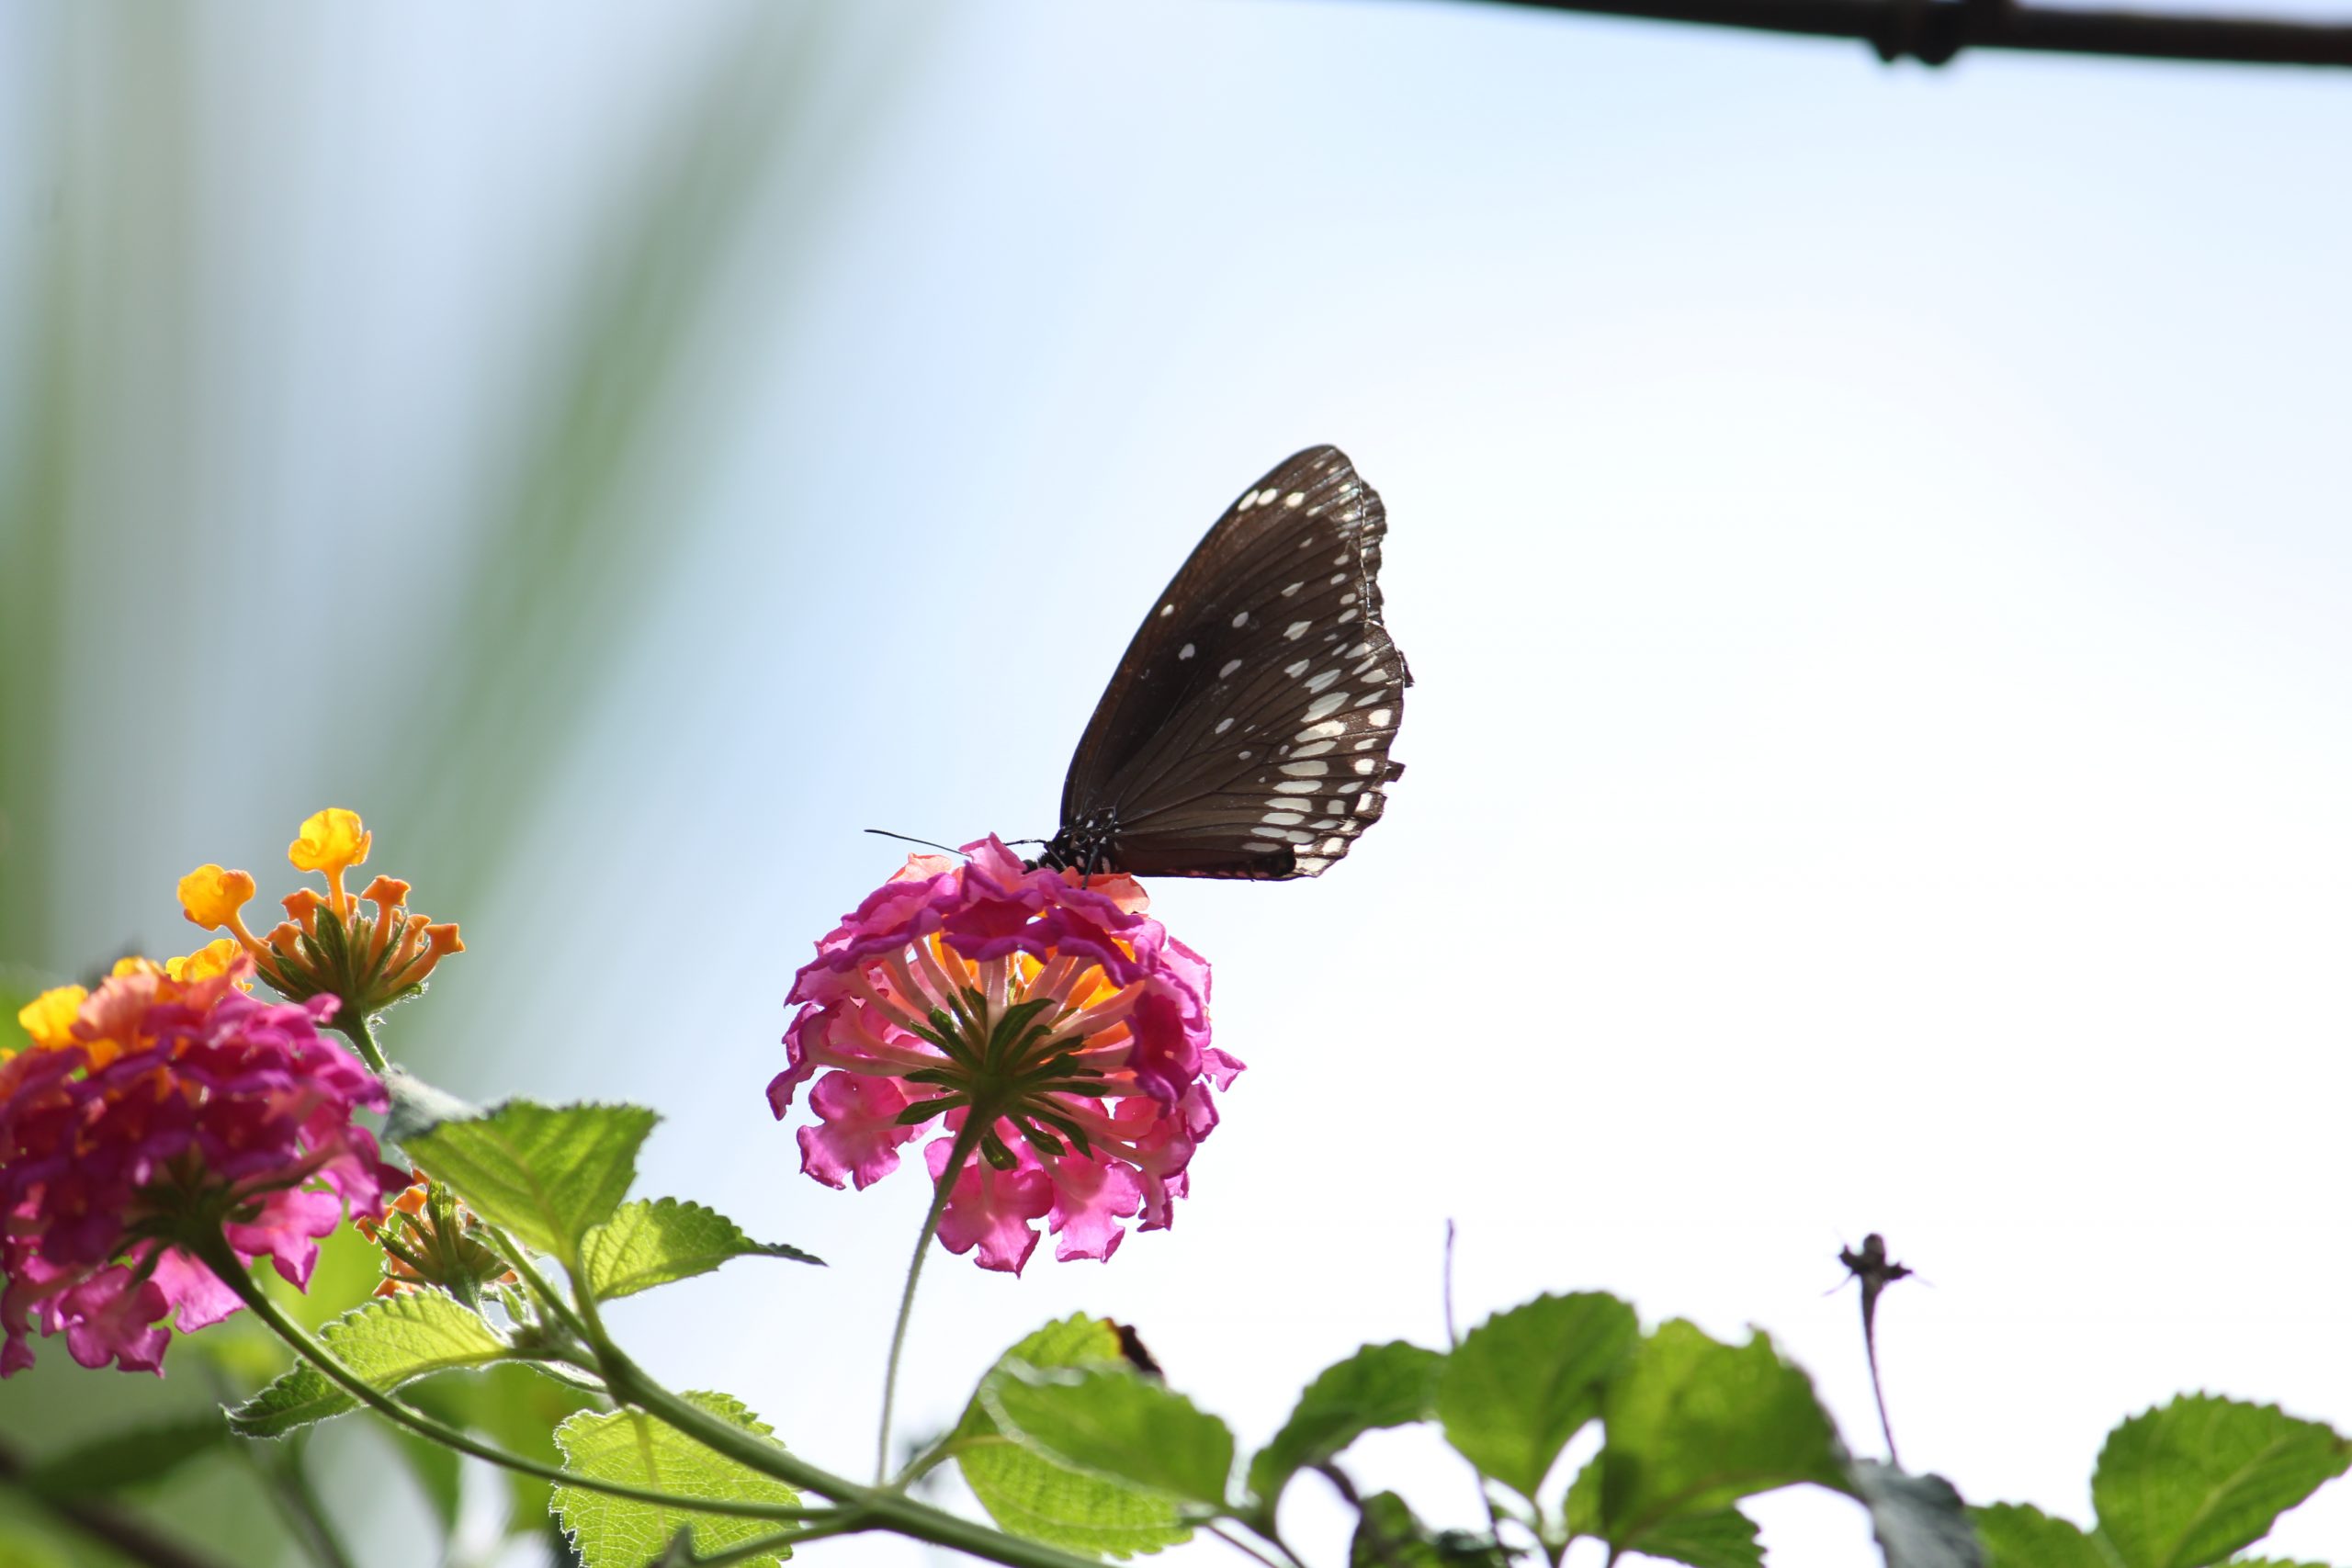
[363, 1040]
[216, 1255]
[862, 1507]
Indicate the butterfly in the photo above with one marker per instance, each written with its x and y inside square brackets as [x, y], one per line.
[1246, 731]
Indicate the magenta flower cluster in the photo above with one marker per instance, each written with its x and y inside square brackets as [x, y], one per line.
[151, 1109]
[1047, 1005]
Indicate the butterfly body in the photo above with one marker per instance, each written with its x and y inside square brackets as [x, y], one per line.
[1246, 731]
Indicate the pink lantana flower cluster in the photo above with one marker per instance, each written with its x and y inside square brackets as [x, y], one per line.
[1040, 1022]
[167, 1105]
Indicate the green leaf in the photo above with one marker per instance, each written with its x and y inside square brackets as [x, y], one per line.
[1580, 1510]
[649, 1244]
[631, 1447]
[1723, 1538]
[1380, 1385]
[1036, 1498]
[1115, 1424]
[2190, 1483]
[1388, 1535]
[387, 1341]
[121, 1458]
[1919, 1520]
[547, 1175]
[2017, 1536]
[1521, 1384]
[1694, 1424]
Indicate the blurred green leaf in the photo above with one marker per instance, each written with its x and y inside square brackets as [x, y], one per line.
[1721, 1538]
[649, 1244]
[1380, 1385]
[1919, 1520]
[133, 1457]
[25, 1545]
[1387, 1535]
[519, 1408]
[576, 522]
[2190, 1483]
[1519, 1384]
[1115, 1423]
[2016, 1536]
[629, 1446]
[549, 1175]
[1034, 1496]
[1694, 1426]
[439, 1474]
[388, 1341]
[17, 988]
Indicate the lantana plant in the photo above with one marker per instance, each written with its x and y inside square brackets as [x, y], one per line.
[1048, 1043]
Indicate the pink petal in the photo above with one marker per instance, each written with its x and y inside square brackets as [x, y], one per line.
[1091, 1197]
[860, 1135]
[991, 1210]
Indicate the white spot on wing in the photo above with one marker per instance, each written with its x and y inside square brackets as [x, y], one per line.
[1292, 589]
[1316, 683]
[1167, 610]
[1326, 705]
[1322, 731]
[1242, 619]
[1296, 786]
[1318, 749]
[1367, 764]
[1296, 629]
[1382, 717]
[1224, 724]
[1307, 770]
[1294, 498]
[1230, 666]
[1186, 651]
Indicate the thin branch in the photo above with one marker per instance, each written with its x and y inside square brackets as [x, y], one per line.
[104, 1522]
[1935, 31]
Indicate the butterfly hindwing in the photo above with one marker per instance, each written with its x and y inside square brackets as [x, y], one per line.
[1246, 732]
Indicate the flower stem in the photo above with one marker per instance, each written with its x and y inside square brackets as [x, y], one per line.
[862, 1509]
[354, 1029]
[974, 1124]
[214, 1251]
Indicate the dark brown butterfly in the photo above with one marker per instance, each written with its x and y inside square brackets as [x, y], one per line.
[1246, 732]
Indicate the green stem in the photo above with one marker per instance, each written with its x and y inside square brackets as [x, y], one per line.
[870, 1508]
[974, 1124]
[354, 1029]
[214, 1251]
[780, 1543]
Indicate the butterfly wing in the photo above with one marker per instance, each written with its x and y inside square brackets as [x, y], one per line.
[1246, 731]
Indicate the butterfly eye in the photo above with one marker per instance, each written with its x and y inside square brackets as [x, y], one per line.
[1265, 655]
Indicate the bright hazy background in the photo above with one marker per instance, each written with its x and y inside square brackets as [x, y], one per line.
[1874, 546]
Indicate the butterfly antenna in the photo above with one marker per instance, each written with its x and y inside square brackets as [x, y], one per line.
[911, 838]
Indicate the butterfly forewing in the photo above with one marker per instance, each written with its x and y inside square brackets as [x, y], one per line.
[1246, 732]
